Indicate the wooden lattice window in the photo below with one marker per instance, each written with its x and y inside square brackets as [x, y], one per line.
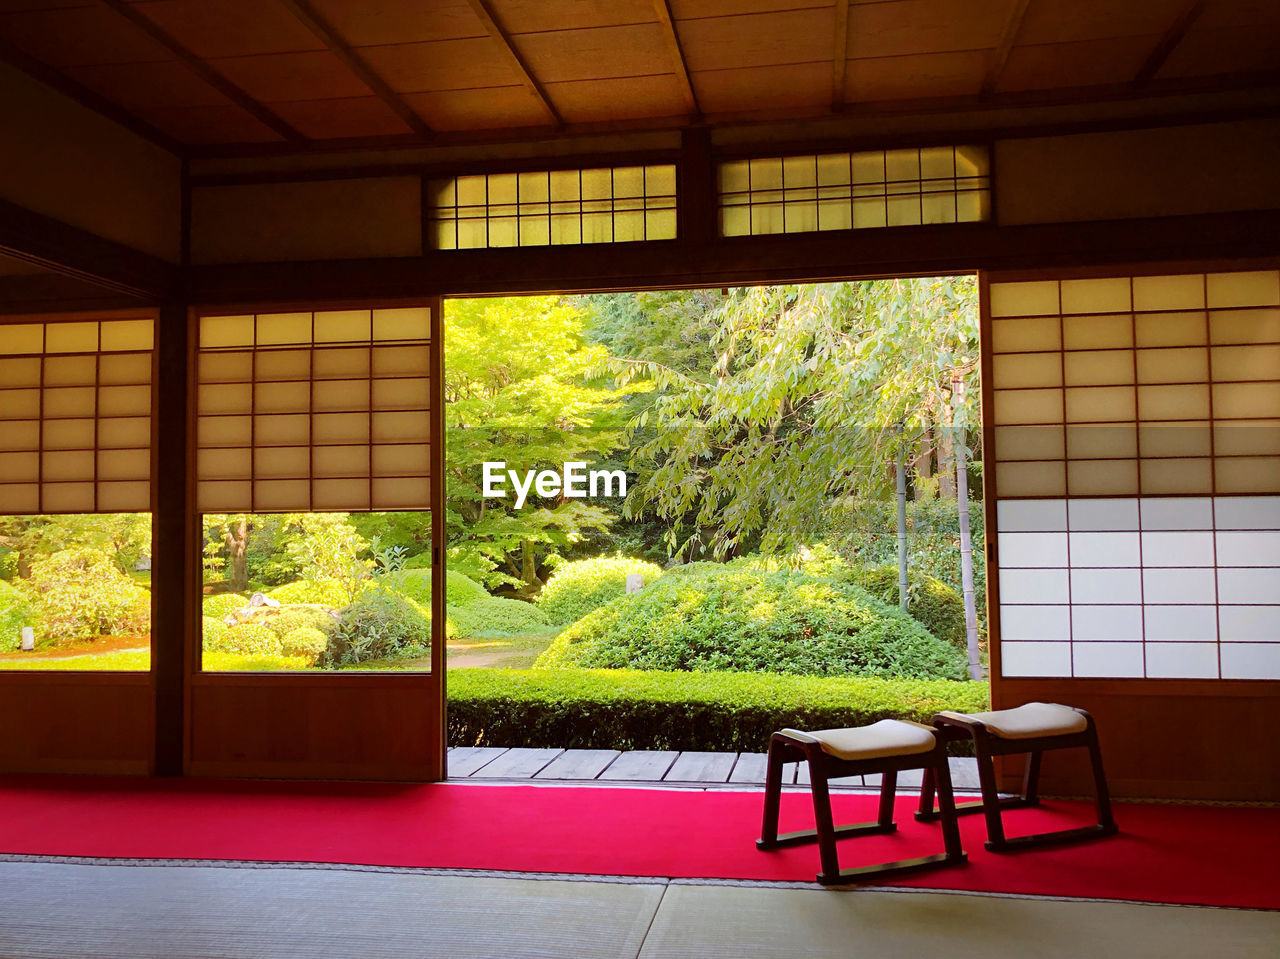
[302, 411]
[75, 415]
[844, 191]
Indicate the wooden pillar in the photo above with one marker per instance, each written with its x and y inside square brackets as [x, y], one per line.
[171, 579]
[697, 219]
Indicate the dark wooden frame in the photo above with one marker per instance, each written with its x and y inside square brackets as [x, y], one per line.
[794, 746]
[954, 727]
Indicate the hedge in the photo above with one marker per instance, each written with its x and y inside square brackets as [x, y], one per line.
[633, 709]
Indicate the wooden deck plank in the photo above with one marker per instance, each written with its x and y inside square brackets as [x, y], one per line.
[578, 764]
[465, 760]
[701, 767]
[518, 763]
[640, 765]
[750, 768]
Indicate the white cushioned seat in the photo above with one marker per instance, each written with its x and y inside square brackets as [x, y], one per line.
[1029, 721]
[888, 737]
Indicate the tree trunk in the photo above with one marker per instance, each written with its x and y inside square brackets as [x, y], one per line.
[529, 570]
[237, 540]
[901, 471]
[923, 466]
[966, 546]
[946, 462]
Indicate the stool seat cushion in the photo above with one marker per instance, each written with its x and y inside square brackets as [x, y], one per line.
[1029, 721]
[888, 737]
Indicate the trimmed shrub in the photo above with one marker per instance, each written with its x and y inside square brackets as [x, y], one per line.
[380, 624]
[213, 632]
[416, 584]
[248, 639]
[329, 593]
[498, 617]
[577, 588]
[289, 618]
[931, 602]
[626, 709]
[755, 622]
[15, 613]
[80, 594]
[305, 642]
[222, 605]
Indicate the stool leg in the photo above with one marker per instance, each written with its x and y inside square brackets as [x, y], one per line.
[1102, 794]
[888, 790]
[924, 812]
[772, 795]
[947, 813]
[990, 799]
[825, 826]
[1031, 778]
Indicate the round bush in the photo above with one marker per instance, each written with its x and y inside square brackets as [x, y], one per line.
[498, 617]
[289, 618]
[755, 622]
[577, 588]
[931, 602]
[15, 613]
[247, 639]
[316, 592]
[381, 623]
[306, 642]
[416, 584]
[80, 593]
[222, 605]
[213, 631]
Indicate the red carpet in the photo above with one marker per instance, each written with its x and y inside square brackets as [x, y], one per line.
[1180, 854]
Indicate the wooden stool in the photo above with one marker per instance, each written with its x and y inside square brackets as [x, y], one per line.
[884, 747]
[1032, 729]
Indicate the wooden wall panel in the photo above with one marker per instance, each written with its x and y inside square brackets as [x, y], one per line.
[78, 167]
[314, 726]
[1204, 168]
[76, 723]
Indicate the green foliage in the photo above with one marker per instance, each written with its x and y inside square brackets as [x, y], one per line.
[289, 618]
[80, 593]
[578, 587]
[416, 584]
[329, 552]
[222, 605]
[745, 620]
[305, 642]
[625, 709]
[247, 639]
[15, 613]
[140, 661]
[498, 617]
[213, 632]
[378, 624]
[931, 602]
[303, 591]
[124, 537]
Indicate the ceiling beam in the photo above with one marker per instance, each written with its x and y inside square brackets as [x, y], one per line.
[1000, 55]
[840, 58]
[204, 71]
[1167, 43]
[356, 64]
[663, 9]
[482, 11]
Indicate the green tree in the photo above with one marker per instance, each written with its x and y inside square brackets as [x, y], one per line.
[125, 537]
[521, 388]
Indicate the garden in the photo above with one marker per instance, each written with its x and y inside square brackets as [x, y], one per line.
[793, 457]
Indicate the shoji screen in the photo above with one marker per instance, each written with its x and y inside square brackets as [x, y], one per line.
[324, 410]
[1135, 424]
[75, 415]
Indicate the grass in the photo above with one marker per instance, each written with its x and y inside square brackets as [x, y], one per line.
[140, 661]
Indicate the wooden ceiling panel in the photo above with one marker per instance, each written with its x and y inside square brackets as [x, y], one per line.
[758, 40]
[79, 36]
[210, 124]
[925, 26]
[399, 21]
[800, 86]
[1080, 64]
[532, 16]
[1059, 21]
[445, 65]
[317, 75]
[341, 119]
[600, 53]
[9, 6]
[1240, 13]
[495, 108]
[229, 28]
[697, 9]
[598, 101]
[922, 77]
[1205, 51]
[143, 86]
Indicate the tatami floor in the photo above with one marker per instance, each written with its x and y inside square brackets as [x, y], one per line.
[145, 911]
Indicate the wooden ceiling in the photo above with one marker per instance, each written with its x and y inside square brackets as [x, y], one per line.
[212, 74]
